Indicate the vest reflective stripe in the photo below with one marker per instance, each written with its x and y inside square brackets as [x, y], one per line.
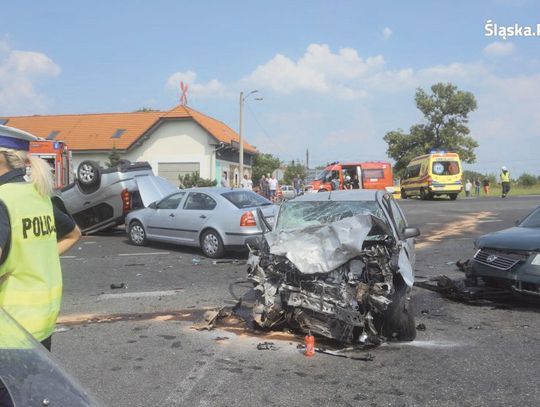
[30, 278]
[505, 176]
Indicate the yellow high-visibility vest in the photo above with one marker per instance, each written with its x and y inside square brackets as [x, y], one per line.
[31, 278]
[505, 176]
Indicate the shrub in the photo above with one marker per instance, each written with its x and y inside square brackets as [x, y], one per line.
[527, 180]
[194, 180]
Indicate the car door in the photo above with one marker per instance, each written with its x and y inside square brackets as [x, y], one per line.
[400, 224]
[160, 223]
[198, 208]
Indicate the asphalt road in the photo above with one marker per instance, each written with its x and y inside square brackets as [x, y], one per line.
[134, 346]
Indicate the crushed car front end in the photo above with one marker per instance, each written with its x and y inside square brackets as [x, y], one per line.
[341, 281]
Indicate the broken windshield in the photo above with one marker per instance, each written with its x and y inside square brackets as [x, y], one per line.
[295, 215]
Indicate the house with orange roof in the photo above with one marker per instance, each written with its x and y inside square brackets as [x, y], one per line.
[175, 142]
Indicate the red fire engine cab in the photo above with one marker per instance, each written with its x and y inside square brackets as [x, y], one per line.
[58, 155]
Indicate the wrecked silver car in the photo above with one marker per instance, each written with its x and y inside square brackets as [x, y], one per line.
[337, 264]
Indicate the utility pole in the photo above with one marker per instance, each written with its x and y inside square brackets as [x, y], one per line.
[240, 136]
[307, 159]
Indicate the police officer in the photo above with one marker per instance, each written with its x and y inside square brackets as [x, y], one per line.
[505, 181]
[33, 232]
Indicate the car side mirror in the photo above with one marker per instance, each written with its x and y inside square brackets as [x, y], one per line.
[410, 232]
[153, 205]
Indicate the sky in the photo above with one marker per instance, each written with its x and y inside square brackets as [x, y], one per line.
[334, 76]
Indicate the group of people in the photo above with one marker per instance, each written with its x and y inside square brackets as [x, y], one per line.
[245, 183]
[268, 187]
[504, 179]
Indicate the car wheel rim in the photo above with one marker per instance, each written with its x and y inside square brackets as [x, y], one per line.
[86, 173]
[210, 243]
[137, 234]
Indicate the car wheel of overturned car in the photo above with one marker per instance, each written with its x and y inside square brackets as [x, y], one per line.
[453, 197]
[88, 174]
[211, 244]
[397, 322]
[137, 234]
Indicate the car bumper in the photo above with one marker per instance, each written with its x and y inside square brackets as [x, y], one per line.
[521, 276]
[444, 190]
[238, 239]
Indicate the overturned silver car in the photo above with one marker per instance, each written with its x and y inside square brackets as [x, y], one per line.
[337, 264]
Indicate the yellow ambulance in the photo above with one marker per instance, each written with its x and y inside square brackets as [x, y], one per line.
[434, 174]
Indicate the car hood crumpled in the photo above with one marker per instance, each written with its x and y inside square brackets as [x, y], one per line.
[323, 248]
[153, 188]
[516, 238]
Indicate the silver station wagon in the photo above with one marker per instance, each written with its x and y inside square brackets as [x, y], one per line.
[214, 219]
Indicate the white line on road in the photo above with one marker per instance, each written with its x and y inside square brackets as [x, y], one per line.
[138, 294]
[143, 254]
[489, 220]
[68, 257]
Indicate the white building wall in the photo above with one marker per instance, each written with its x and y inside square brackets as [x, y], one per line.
[172, 142]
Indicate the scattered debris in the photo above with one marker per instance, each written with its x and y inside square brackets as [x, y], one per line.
[229, 261]
[424, 312]
[135, 264]
[475, 327]
[266, 346]
[463, 289]
[210, 318]
[115, 286]
[59, 329]
[464, 266]
[421, 327]
[196, 261]
[346, 353]
[221, 338]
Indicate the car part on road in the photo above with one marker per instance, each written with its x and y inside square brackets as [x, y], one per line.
[116, 286]
[266, 346]
[342, 281]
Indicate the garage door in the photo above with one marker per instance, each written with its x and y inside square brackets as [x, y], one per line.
[171, 171]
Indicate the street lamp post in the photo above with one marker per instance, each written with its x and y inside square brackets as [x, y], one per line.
[242, 100]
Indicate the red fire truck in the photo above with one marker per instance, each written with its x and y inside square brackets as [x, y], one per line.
[371, 175]
[58, 155]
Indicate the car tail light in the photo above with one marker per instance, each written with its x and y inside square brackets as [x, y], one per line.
[248, 219]
[126, 200]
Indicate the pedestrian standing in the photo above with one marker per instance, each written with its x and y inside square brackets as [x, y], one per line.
[355, 182]
[33, 232]
[247, 183]
[485, 182]
[297, 185]
[505, 181]
[477, 186]
[264, 187]
[224, 180]
[468, 187]
[272, 186]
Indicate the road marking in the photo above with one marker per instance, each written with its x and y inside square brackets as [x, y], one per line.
[138, 294]
[143, 254]
[89, 242]
[429, 344]
[68, 257]
[489, 220]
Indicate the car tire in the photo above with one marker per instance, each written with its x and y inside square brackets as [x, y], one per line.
[137, 234]
[88, 174]
[212, 244]
[453, 197]
[403, 194]
[424, 195]
[397, 322]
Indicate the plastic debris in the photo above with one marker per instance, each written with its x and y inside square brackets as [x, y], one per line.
[266, 346]
[116, 286]
[421, 327]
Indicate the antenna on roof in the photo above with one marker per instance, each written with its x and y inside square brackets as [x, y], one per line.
[184, 88]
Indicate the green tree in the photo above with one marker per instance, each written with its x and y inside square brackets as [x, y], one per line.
[294, 170]
[446, 111]
[263, 164]
[194, 180]
[527, 180]
[114, 158]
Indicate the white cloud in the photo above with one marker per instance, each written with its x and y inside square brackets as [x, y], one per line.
[387, 33]
[319, 70]
[19, 71]
[499, 49]
[213, 89]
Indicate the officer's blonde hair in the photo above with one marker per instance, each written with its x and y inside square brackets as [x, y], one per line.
[40, 171]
